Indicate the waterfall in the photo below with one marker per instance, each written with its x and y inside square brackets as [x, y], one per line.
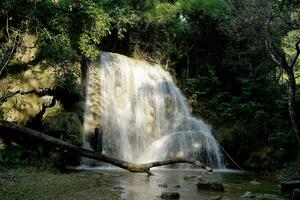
[142, 113]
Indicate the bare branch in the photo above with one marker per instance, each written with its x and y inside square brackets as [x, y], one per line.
[15, 45]
[10, 54]
[7, 31]
[275, 51]
[274, 58]
[296, 55]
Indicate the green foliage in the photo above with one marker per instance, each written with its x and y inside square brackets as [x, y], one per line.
[14, 157]
[291, 170]
[214, 8]
[57, 48]
[215, 48]
[163, 12]
[66, 30]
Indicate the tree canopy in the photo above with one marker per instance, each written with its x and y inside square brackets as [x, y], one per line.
[227, 56]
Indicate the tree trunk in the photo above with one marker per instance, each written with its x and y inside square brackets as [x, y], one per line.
[97, 140]
[292, 102]
[14, 132]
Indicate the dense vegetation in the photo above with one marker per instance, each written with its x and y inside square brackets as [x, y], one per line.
[228, 56]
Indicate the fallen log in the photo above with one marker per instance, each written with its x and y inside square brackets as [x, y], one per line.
[12, 132]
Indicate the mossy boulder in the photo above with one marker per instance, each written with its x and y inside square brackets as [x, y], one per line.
[28, 48]
[64, 125]
[34, 79]
[79, 108]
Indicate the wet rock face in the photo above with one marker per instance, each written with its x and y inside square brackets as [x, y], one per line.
[21, 108]
[210, 186]
[170, 195]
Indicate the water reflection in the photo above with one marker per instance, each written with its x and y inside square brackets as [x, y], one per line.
[138, 186]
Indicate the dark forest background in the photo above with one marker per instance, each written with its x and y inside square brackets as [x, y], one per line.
[236, 61]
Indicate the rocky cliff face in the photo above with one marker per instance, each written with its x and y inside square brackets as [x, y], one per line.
[33, 97]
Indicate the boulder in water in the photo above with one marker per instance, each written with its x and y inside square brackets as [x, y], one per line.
[170, 195]
[296, 194]
[210, 186]
[289, 186]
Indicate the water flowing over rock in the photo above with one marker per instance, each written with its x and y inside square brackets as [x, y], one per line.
[143, 115]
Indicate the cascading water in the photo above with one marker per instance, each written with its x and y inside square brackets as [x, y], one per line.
[143, 115]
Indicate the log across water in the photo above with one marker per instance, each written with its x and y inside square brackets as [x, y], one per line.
[13, 132]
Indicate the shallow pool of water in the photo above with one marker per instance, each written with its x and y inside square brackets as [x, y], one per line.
[142, 187]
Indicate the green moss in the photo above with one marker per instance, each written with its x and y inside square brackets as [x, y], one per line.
[21, 108]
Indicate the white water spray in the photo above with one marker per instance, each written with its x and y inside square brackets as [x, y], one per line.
[143, 115]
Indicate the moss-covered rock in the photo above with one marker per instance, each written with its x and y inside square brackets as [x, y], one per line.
[65, 125]
[21, 108]
[79, 108]
[28, 48]
[32, 79]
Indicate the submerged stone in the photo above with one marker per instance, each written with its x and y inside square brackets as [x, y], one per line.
[192, 177]
[170, 195]
[118, 188]
[259, 196]
[163, 185]
[210, 186]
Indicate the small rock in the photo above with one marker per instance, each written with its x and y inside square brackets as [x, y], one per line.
[177, 186]
[213, 186]
[215, 198]
[163, 185]
[248, 195]
[118, 188]
[170, 195]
